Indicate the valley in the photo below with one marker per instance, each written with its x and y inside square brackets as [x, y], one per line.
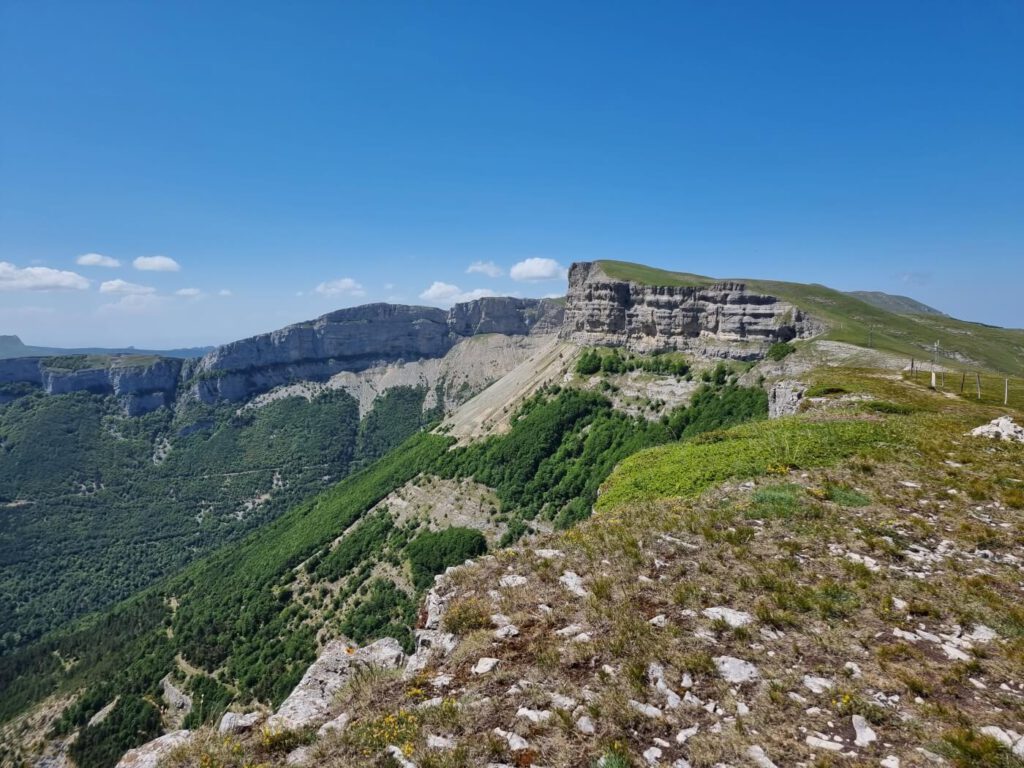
[607, 464]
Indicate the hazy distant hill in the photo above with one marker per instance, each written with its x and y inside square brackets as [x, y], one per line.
[891, 302]
[12, 346]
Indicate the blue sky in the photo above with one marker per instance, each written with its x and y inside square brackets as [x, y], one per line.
[375, 149]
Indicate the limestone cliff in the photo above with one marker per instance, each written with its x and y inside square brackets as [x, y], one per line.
[358, 338]
[142, 384]
[723, 319]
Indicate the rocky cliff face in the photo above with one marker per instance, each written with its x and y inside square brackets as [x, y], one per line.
[142, 385]
[721, 320]
[351, 339]
[358, 338]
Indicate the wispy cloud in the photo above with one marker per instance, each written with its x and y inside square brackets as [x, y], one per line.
[125, 288]
[133, 304]
[445, 294]
[14, 278]
[189, 293]
[156, 264]
[96, 260]
[536, 269]
[343, 286]
[488, 268]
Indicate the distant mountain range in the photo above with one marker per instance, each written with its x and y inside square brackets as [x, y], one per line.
[12, 346]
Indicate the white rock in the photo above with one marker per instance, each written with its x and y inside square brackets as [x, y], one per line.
[298, 756]
[733, 618]
[574, 583]
[865, 734]
[533, 715]
[509, 630]
[998, 734]
[899, 604]
[337, 725]
[854, 669]
[562, 702]
[759, 758]
[439, 742]
[684, 735]
[1002, 428]
[817, 684]
[512, 580]
[569, 631]
[547, 554]
[661, 620]
[890, 762]
[515, 742]
[235, 722]
[952, 652]
[484, 665]
[735, 670]
[585, 725]
[152, 753]
[983, 634]
[645, 709]
[652, 755]
[399, 757]
[582, 637]
[311, 700]
[819, 743]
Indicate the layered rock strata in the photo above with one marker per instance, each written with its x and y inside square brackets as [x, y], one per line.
[724, 319]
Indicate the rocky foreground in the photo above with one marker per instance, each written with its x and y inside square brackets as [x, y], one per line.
[861, 613]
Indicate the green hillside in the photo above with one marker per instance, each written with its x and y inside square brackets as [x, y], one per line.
[961, 344]
[251, 614]
[97, 505]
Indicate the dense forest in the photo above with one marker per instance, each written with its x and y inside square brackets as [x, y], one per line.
[97, 505]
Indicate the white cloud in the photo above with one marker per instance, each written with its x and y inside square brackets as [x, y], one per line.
[189, 293]
[133, 304]
[14, 278]
[530, 270]
[343, 286]
[446, 294]
[224, 292]
[125, 288]
[96, 260]
[488, 268]
[156, 264]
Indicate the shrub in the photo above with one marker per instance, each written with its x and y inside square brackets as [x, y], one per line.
[430, 553]
[779, 350]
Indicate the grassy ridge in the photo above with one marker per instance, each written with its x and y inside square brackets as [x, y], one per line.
[854, 321]
[686, 469]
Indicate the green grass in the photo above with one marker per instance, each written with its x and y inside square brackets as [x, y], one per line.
[686, 469]
[638, 273]
[854, 321]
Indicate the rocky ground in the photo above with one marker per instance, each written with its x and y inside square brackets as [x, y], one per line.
[865, 613]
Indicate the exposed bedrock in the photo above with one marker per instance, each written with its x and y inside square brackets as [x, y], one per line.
[725, 319]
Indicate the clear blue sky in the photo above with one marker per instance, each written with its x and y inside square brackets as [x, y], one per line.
[377, 148]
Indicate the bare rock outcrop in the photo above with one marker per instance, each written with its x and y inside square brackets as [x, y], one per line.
[310, 703]
[1003, 428]
[725, 319]
[784, 398]
[142, 384]
[150, 754]
[358, 338]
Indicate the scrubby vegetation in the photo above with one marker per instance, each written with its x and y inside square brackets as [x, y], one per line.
[431, 552]
[138, 498]
[614, 360]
